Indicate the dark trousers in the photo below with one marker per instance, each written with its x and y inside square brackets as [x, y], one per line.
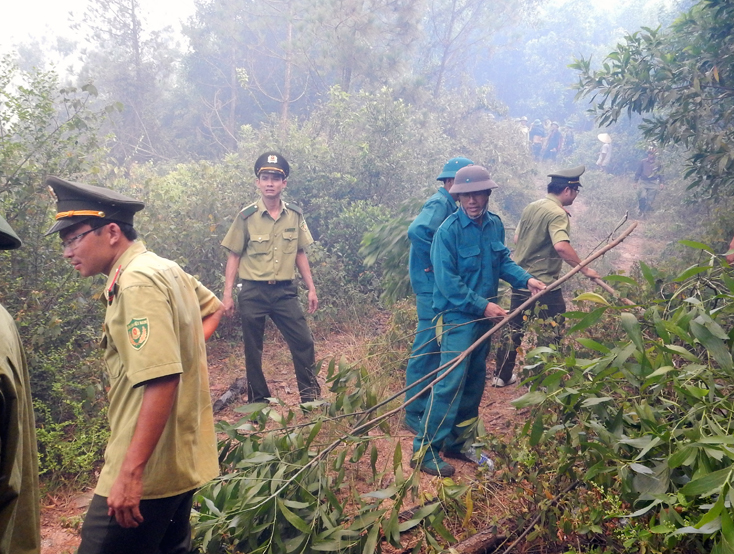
[456, 398]
[646, 195]
[424, 358]
[165, 528]
[258, 300]
[507, 352]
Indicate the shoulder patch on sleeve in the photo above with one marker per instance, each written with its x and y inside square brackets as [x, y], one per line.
[293, 207]
[138, 331]
[248, 211]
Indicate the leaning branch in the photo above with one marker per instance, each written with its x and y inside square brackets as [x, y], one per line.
[364, 425]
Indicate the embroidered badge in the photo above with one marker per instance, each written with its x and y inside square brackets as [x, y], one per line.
[272, 159]
[138, 331]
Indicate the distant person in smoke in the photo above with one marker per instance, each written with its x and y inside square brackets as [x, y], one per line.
[536, 136]
[524, 129]
[650, 173]
[605, 154]
[569, 141]
[553, 143]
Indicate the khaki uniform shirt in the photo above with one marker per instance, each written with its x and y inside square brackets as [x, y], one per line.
[267, 247]
[20, 504]
[153, 329]
[543, 224]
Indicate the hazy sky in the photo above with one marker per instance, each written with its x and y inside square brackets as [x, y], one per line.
[23, 18]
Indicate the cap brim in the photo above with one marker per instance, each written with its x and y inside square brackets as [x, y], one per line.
[62, 224]
[463, 188]
[8, 239]
[273, 172]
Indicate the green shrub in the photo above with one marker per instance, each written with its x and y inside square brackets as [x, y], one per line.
[642, 411]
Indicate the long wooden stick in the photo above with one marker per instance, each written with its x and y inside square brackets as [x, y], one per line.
[613, 292]
[450, 366]
[364, 425]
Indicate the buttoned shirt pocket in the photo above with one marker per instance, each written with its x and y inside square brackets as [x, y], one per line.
[112, 359]
[259, 244]
[469, 258]
[290, 240]
[498, 253]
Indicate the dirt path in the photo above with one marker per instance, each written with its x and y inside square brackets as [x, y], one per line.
[62, 515]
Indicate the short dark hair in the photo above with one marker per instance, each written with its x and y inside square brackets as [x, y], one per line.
[127, 229]
[557, 188]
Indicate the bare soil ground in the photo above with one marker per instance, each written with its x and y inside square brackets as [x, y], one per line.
[62, 514]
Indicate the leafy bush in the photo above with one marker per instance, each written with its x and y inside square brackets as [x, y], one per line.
[642, 411]
[289, 488]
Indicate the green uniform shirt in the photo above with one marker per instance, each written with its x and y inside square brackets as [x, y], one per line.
[153, 329]
[267, 247]
[543, 224]
[20, 504]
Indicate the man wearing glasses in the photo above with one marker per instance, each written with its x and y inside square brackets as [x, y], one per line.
[543, 244]
[469, 257]
[162, 443]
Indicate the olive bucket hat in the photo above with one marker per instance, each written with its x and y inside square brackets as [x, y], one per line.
[452, 166]
[472, 178]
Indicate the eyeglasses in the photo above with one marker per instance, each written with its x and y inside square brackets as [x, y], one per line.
[73, 242]
[477, 195]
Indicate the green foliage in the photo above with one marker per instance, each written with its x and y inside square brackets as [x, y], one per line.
[46, 129]
[291, 487]
[642, 411]
[681, 79]
[389, 245]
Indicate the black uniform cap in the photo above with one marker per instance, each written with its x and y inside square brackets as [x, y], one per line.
[77, 202]
[568, 177]
[8, 239]
[272, 162]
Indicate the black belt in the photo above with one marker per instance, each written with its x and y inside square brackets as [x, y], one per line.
[272, 283]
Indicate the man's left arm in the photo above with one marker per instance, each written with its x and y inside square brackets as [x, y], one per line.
[305, 270]
[124, 499]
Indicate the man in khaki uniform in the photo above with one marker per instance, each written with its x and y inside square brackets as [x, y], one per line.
[20, 528]
[543, 244]
[162, 444]
[266, 242]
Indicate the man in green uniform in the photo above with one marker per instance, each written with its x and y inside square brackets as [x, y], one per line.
[651, 174]
[20, 528]
[162, 444]
[266, 242]
[543, 244]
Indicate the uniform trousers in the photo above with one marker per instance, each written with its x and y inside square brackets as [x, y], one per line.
[165, 528]
[506, 354]
[258, 300]
[424, 358]
[456, 398]
[646, 195]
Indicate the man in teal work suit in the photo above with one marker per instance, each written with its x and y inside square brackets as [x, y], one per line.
[469, 257]
[426, 352]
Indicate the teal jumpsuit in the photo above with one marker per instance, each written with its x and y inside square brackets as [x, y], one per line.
[468, 260]
[426, 353]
